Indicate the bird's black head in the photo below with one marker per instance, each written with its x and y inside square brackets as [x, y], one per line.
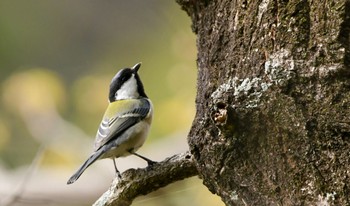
[126, 84]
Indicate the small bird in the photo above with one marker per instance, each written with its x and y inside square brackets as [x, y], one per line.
[126, 122]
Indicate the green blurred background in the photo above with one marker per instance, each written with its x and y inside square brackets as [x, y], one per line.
[57, 58]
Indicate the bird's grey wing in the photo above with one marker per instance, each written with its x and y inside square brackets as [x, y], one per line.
[111, 129]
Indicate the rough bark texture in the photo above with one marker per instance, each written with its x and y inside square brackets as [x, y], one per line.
[273, 103]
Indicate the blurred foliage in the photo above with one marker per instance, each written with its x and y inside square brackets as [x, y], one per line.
[58, 58]
[189, 192]
[33, 91]
[61, 56]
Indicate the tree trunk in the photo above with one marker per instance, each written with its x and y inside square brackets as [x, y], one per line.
[273, 104]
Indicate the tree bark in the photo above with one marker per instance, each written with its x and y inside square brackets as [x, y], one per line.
[272, 125]
[136, 182]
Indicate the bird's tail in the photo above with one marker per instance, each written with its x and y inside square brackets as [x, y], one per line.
[86, 164]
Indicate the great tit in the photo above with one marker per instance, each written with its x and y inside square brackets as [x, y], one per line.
[125, 124]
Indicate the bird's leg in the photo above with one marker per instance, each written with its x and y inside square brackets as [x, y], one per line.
[116, 169]
[149, 162]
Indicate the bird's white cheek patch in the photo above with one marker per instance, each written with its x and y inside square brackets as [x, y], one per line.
[128, 90]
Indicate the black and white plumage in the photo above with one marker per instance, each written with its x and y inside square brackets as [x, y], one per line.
[126, 122]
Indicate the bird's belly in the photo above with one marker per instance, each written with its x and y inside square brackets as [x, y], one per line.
[131, 139]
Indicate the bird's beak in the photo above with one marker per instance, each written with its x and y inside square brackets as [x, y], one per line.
[136, 67]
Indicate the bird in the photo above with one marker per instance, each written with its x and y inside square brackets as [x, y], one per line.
[125, 123]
